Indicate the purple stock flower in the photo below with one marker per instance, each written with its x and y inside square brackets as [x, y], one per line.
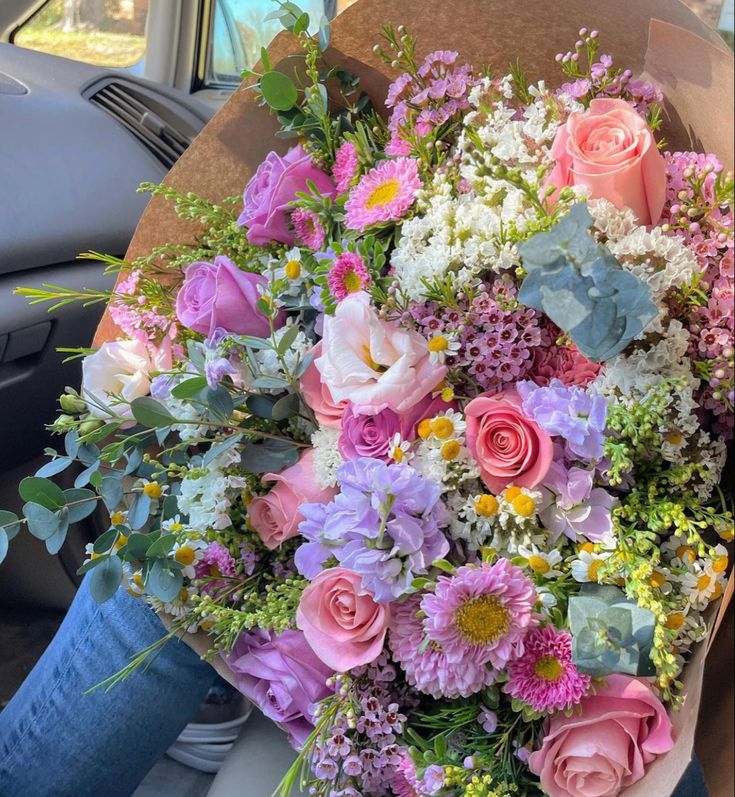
[384, 525]
[283, 676]
[574, 413]
[570, 505]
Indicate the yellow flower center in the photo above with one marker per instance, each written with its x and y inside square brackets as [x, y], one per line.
[685, 553]
[397, 454]
[538, 564]
[717, 592]
[117, 518]
[184, 555]
[657, 579]
[120, 541]
[214, 571]
[206, 625]
[593, 568]
[368, 357]
[720, 564]
[675, 621]
[383, 194]
[138, 580]
[674, 438]
[486, 505]
[512, 492]
[587, 547]
[442, 428]
[152, 490]
[424, 428]
[482, 620]
[176, 527]
[439, 343]
[351, 281]
[293, 269]
[447, 394]
[524, 505]
[183, 594]
[549, 668]
[727, 534]
[704, 581]
[450, 450]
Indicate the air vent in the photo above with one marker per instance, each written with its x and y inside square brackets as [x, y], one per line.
[164, 128]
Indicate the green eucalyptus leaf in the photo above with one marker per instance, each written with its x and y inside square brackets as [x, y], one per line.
[84, 477]
[151, 413]
[10, 523]
[55, 466]
[56, 540]
[161, 547]
[163, 581]
[90, 564]
[287, 339]
[105, 579]
[41, 491]
[301, 24]
[42, 522]
[219, 448]
[286, 407]
[140, 509]
[270, 383]
[278, 90]
[80, 510]
[112, 492]
[219, 403]
[262, 406]
[265, 59]
[4, 541]
[189, 388]
[138, 545]
[269, 457]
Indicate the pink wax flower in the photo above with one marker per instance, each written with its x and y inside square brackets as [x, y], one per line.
[346, 165]
[347, 275]
[275, 516]
[545, 676]
[316, 394]
[605, 746]
[270, 191]
[610, 149]
[308, 228]
[222, 295]
[374, 363]
[384, 194]
[341, 621]
[508, 446]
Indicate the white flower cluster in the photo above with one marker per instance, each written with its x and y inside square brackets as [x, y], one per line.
[207, 494]
[326, 456]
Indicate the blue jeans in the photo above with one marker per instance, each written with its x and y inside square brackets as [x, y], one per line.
[57, 742]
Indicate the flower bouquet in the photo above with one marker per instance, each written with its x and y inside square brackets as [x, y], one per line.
[420, 437]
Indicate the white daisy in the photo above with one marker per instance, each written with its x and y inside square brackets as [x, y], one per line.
[586, 565]
[442, 346]
[542, 563]
[400, 450]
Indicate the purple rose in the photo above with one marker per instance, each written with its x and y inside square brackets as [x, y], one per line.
[220, 294]
[272, 188]
[283, 676]
[367, 435]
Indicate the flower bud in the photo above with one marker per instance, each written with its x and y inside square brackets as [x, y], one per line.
[90, 425]
[72, 404]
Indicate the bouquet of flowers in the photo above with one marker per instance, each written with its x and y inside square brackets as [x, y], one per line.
[425, 431]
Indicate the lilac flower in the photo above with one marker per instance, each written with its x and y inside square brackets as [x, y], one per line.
[576, 414]
[384, 525]
[433, 779]
[570, 505]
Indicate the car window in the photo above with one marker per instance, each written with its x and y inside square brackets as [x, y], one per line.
[102, 32]
[239, 29]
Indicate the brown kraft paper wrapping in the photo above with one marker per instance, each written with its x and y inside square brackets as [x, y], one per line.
[681, 54]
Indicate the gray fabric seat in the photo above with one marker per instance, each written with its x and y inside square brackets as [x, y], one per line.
[258, 760]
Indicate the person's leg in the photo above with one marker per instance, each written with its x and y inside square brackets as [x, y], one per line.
[57, 742]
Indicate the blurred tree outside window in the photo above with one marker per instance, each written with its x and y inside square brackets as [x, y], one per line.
[101, 32]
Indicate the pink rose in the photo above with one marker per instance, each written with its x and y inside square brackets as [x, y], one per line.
[341, 621]
[509, 447]
[316, 394]
[606, 748]
[374, 363]
[610, 149]
[275, 515]
[271, 190]
[222, 295]
[367, 435]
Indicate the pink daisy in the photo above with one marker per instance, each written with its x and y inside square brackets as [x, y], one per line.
[545, 676]
[346, 164]
[309, 229]
[425, 665]
[385, 193]
[481, 613]
[347, 275]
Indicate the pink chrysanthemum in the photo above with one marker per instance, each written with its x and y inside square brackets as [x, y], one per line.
[347, 275]
[481, 614]
[216, 561]
[425, 665]
[404, 784]
[346, 164]
[308, 228]
[545, 676]
[385, 193]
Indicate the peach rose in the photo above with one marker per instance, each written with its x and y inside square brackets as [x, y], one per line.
[121, 368]
[316, 394]
[374, 363]
[605, 748]
[610, 149]
[275, 516]
[509, 447]
[341, 621]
